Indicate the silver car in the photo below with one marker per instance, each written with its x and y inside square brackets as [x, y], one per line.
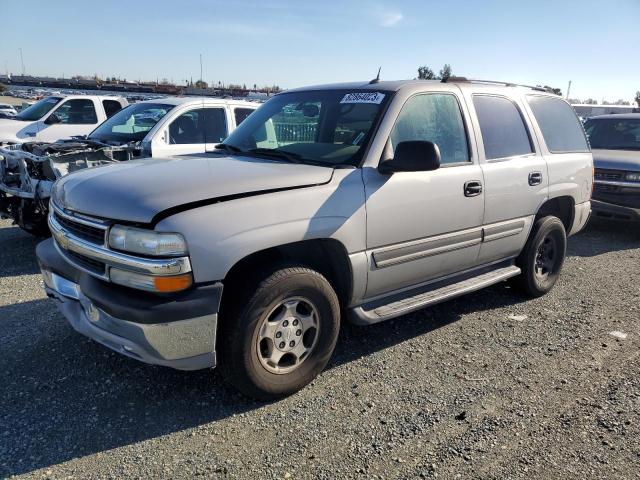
[361, 200]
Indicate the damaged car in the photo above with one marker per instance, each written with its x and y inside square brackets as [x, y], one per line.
[155, 128]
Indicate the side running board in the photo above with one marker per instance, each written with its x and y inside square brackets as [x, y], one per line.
[375, 312]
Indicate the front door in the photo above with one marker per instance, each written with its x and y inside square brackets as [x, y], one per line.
[72, 117]
[425, 225]
[191, 131]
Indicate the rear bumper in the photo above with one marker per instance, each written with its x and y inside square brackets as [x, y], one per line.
[614, 212]
[178, 332]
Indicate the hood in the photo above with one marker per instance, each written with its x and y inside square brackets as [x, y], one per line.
[16, 130]
[136, 191]
[617, 159]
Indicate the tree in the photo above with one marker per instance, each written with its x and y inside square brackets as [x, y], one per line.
[445, 72]
[201, 84]
[425, 73]
[590, 101]
[620, 101]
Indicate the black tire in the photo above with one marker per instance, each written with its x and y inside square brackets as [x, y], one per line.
[242, 357]
[542, 257]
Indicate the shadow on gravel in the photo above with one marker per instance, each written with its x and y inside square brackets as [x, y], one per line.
[602, 236]
[64, 396]
[17, 252]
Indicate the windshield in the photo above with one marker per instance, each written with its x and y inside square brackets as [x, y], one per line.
[38, 109]
[330, 127]
[613, 133]
[131, 124]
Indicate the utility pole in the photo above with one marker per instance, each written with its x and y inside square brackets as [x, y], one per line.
[21, 61]
[200, 70]
[568, 89]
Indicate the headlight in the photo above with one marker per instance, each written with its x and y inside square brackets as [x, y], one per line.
[633, 176]
[151, 283]
[146, 242]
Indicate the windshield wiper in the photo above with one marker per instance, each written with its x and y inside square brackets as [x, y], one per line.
[225, 147]
[279, 154]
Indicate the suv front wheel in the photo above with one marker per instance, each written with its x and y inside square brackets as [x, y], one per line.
[542, 257]
[280, 333]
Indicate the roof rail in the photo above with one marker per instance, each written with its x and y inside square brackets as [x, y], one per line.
[509, 84]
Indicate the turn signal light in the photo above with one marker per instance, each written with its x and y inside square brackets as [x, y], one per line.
[174, 283]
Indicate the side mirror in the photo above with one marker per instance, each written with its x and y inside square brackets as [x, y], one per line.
[413, 156]
[52, 119]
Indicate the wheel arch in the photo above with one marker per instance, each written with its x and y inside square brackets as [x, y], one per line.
[562, 207]
[327, 256]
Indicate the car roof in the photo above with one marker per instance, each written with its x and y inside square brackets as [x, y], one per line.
[396, 85]
[617, 116]
[195, 100]
[99, 97]
[381, 86]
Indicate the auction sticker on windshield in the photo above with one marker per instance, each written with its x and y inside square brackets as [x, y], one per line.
[363, 97]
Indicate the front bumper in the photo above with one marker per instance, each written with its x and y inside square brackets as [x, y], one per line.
[614, 212]
[177, 332]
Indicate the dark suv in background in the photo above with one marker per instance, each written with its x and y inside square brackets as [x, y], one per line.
[615, 142]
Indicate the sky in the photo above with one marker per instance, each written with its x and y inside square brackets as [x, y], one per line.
[295, 43]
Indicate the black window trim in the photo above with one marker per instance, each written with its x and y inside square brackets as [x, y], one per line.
[555, 152]
[462, 116]
[533, 153]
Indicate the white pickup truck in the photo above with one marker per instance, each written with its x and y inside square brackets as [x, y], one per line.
[57, 117]
[155, 128]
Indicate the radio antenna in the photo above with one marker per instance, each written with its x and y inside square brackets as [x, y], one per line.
[377, 79]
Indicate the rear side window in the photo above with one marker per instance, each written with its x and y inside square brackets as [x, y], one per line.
[111, 107]
[504, 133]
[559, 124]
[241, 114]
[436, 118]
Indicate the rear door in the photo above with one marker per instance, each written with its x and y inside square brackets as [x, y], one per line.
[515, 173]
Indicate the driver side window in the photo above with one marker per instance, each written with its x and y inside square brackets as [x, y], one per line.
[204, 125]
[433, 117]
[76, 112]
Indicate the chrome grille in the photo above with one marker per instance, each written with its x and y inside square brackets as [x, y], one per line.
[602, 174]
[86, 232]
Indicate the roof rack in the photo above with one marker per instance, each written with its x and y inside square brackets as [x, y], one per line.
[494, 82]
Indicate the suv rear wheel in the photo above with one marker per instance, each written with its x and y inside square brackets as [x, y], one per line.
[280, 334]
[542, 257]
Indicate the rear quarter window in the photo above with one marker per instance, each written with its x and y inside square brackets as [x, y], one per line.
[111, 107]
[561, 128]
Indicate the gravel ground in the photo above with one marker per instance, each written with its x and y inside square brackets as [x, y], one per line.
[487, 386]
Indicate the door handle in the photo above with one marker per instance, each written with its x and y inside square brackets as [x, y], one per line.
[472, 188]
[535, 178]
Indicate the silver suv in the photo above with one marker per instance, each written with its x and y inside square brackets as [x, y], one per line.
[359, 200]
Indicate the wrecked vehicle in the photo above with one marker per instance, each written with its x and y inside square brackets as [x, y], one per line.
[154, 128]
[57, 117]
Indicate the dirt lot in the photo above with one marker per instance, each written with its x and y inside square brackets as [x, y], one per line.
[488, 386]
